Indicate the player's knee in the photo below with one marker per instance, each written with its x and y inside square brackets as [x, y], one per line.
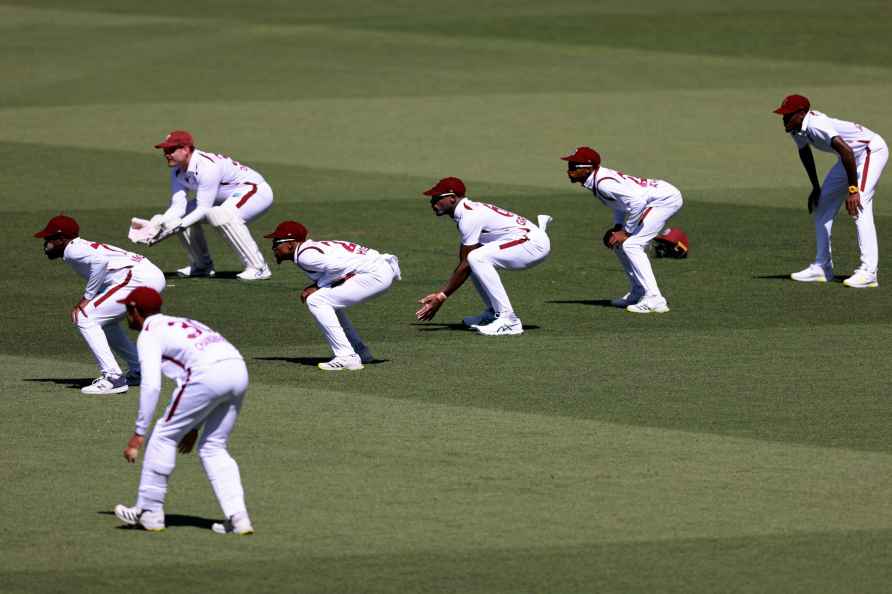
[477, 258]
[220, 215]
[630, 247]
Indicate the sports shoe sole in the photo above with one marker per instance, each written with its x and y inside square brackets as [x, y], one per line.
[119, 390]
[872, 285]
[660, 310]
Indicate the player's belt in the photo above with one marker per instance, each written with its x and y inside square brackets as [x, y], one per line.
[513, 243]
[342, 280]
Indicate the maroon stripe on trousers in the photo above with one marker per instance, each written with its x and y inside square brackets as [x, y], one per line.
[864, 171]
[245, 198]
[506, 245]
[114, 289]
[176, 401]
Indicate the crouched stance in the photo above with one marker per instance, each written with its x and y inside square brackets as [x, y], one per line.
[343, 274]
[211, 382]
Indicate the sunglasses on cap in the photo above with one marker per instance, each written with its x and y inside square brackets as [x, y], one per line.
[281, 240]
[573, 166]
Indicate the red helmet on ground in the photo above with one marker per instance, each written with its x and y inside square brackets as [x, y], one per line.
[176, 138]
[289, 230]
[671, 243]
[145, 299]
[448, 186]
[584, 155]
[60, 225]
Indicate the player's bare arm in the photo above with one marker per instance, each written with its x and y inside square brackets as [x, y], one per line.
[847, 157]
[617, 237]
[431, 303]
[307, 291]
[808, 162]
[133, 445]
[78, 310]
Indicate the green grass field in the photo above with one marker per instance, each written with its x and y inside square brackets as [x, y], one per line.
[739, 443]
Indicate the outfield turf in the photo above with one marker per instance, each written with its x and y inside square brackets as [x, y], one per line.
[739, 443]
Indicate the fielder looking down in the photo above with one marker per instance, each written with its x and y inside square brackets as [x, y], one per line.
[108, 271]
[211, 380]
[491, 238]
[641, 208]
[343, 274]
[227, 194]
[853, 180]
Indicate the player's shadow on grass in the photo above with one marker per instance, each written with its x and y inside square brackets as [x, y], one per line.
[595, 302]
[786, 277]
[75, 383]
[313, 361]
[172, 521]
[225, 274]
[456, 327]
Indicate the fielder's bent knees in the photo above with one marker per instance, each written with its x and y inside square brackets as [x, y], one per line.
[477, 258]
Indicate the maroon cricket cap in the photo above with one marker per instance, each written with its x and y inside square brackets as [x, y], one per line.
[674, 236]
[60, 225]
[792, 104]
[584, 154]
[447, 186]
[289, 230]
[148, 301]
[176, 138]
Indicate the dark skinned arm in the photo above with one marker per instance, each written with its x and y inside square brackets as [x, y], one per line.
[808, 162]
[847, 158]
[430, 304]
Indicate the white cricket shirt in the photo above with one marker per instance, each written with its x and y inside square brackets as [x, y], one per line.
[178, 348]
[101, 264]
[630, 196]
[331, 261]
[483, 223]
[818, 130]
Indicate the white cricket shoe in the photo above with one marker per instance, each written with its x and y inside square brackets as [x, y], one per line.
[238, 524]
[626, 300]
[815, 273]
[153, 521]
[107, 384]
[342, 363]
[861, 279]
[649, 305]
[501, 326]
[196, 272]
[253, 274]
[365, 355]
[484, 318]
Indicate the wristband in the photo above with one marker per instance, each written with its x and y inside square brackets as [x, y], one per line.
[443, 296]
[853, 190]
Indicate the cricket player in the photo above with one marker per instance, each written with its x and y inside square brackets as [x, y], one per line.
[641, 208]
[211, 380]
[343, 274]
[852, 180]
[227, 194]
[110, 272]
[491, 238]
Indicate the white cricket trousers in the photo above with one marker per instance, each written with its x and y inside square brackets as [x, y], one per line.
[211, 396]
[328, 304]
[513, 254]
[631, 253]
[251, 200]
[99, 323]
[835, 191]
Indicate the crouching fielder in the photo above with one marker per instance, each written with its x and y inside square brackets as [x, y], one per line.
[211, 382]
[228, 195]
[641, 208]
[343, 275]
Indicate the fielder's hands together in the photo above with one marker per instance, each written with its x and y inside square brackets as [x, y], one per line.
[617, 238]
[188, 442]
[132, 449]
[430, 304]
[608, 235]
[78, 310]
[305, 294]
